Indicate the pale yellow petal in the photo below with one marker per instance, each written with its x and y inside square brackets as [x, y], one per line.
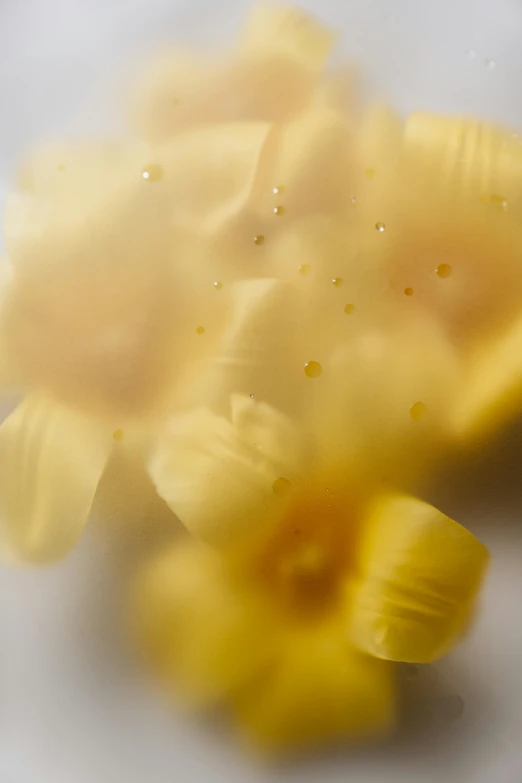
[386, 398]
[204, 633]
[492, 393]
[51, 460]
[179, 89]
[289, 32]
[310, 165]
[321, 692]
[217, 475]
[262, 350]
[448, 204]
[419, 573]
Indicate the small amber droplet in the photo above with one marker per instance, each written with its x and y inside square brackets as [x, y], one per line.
[218, 285]
[370, 173]
[200, 330]
[61, 167]
[408, 291]
[118, 435]
[418, 411]
[252, 396]
[279, 211]
[313, 369]
[353, 199]
[380, 227]
[444, 270]
[259, 239]
[152, 172]
[337, 281]
[304, 269]
[278, 190]
[175, 101]
[349, 308]
[282, 487]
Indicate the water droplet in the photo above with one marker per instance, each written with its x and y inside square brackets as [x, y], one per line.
[279, 211]
[259, 239]
[200, 330]
[418, 411]
[152, 172]
[304, 269]
[471, 53]
[278, 190]
[313, 369]
[118, 435]
[353, 199]
[252, 396]
[349, 308]
[337, 281]
[370, 173]
[490, 65]
[380, 227]
[218, 285]
[282, 487]
[408, 291]
[444, 271]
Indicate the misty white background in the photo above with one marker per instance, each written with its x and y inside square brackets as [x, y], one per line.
[72, 706]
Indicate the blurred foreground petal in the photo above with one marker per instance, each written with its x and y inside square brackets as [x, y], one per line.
[51, 460]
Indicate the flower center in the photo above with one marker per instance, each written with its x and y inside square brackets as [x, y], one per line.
[306, 563]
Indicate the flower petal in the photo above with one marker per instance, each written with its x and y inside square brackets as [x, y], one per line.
[492, 394]
[419, 575]
[204, 633]
[262, 351]
[289, 32]
[366, 417]
[320, 692]
[51, 460]
[217, 478]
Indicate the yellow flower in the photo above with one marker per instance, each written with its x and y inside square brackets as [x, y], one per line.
[124, 257]
[322, 570]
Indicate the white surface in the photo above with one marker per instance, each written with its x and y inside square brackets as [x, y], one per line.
[71, 705]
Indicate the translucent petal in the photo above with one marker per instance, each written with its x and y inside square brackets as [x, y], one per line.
[289, 32]
[217, 478]
[448, 196]
[51, 460]
[262, 350]
[365, 415]
[320, 692]
[311, 161]
[204, 633]
[419, 573]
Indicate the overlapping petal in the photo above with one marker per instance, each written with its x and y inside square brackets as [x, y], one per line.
[51, 460]
[418, 575]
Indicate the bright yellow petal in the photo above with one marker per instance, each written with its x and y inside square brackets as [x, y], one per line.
[204, 633]
[419, 573]
[491, 396]
[321, 692]
[217, 475]
[51, 460]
